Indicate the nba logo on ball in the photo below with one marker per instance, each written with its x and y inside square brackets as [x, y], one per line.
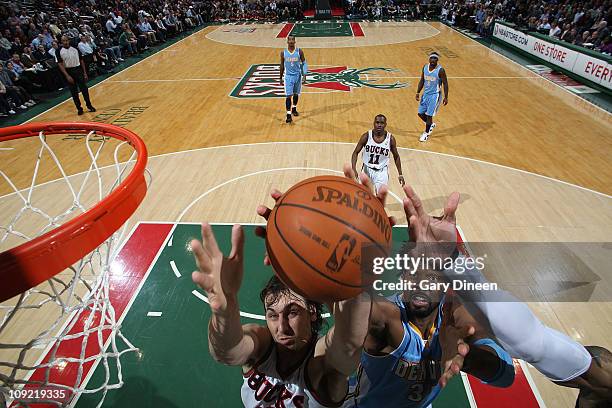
[341, 253]
[317, 232]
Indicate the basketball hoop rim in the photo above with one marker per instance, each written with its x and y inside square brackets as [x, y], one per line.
[41, 258]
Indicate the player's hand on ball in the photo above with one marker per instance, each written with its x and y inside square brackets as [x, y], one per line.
[218, 276]
[264, 212]
[426, 228]
[453, 344]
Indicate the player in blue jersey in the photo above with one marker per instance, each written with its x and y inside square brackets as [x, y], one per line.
[416, 341]
[433, 76]
[559, 357]
[293, 66]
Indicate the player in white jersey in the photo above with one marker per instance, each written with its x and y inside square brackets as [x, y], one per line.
[377, 144]
[285, 363]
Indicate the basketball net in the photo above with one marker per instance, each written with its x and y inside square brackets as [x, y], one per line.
[71, 310]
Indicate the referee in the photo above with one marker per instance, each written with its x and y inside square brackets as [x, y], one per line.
[71, 64]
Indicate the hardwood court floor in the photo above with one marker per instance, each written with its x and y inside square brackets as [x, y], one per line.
[498, 112]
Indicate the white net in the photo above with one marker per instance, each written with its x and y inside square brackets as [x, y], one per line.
[54, 335]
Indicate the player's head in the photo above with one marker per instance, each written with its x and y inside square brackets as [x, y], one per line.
[291, 319]
[291, 41]
[425, 297]
[380, 122]
[433, 59]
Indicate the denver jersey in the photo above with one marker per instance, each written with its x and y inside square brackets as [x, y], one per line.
[293, 63]
[432, 80]
[376, 155]
[263, 387]
[405, 378]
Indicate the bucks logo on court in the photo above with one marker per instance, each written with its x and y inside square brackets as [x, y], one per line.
[261, 80]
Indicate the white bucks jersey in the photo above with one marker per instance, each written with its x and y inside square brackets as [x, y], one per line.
[263, 386]
[376, 155]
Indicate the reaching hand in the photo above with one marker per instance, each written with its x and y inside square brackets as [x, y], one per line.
[453, 344]
[426, 228]
[218, 276]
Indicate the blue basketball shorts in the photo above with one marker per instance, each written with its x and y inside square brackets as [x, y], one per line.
[430, 104]
[293, 84]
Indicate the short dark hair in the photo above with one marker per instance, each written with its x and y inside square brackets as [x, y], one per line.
[380, 115]
[276, 289]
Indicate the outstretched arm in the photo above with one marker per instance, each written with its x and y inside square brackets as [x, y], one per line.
[467, 347]
[397, 159]
[228, 341]
[337, 353]
[362, 141]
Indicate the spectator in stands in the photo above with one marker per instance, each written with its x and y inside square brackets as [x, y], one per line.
[146, 29]
[555, 30]
[5, 48]
[5, 108]
[112, 51]
[194, 14]
[47, 38]
[128, 40]
[480, 19]
[606, 45]
[41, 54]
[28, 59]
[584, 38]
[567, 35]
[20, 96]
[602, 31]
[24, 78]
[111, 27]
[170, 24]
[86, 48]
[53, 49]
[544, 25]
[38, 40]
[592, 42]
[160, 27]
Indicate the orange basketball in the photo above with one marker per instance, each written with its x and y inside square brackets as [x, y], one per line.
[315, 236]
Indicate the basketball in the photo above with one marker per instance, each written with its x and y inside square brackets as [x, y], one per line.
[316, 233]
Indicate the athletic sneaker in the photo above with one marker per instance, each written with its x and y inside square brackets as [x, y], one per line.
[424, 137]
[431, 128]
[294, 112]
[288, 120]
